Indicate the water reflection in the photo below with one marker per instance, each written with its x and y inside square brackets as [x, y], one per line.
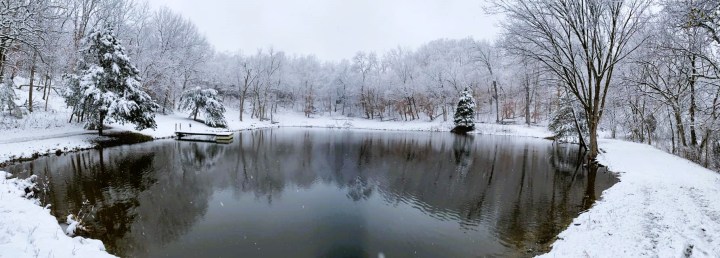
[316, 192]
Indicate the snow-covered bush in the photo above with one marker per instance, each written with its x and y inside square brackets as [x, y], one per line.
[7, 95]
[465, 112]
[204, 100]
[567, 121]
[107, 86]
[75, 221]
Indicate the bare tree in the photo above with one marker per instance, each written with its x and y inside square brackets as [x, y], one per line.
[579, 41]
[20, 24]
[488, 57]
[246, 76]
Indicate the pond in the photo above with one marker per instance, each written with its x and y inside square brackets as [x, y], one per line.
[299, 192]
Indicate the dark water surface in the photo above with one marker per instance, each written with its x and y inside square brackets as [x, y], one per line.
[295, 192]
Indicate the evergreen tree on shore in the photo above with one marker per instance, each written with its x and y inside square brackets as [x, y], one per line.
[465, 113]
[106, 87]
[567, 122]
[7, 95]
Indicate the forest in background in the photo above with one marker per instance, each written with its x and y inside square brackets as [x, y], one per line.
[640, 70]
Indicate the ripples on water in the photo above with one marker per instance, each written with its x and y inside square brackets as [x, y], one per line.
[324, 193]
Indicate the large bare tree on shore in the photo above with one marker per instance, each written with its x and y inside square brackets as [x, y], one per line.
[580, 41]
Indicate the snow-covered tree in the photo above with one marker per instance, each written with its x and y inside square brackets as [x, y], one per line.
[465, 112]
[7, 95]
[206, 101]
[567, 122]
[107, 86]
[581, 54]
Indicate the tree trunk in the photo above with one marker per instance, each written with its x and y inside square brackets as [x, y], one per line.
[672, 133]
[527, 101]
[30, 92]
[417, 110]
[497, 105]
[43, 81]
[165, 101]
[693, 136]
[242, 105]
[593, 137]
[48, 85]
[100, 123]
[680, 127]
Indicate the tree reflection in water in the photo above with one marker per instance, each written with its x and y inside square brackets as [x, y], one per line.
[505, 196]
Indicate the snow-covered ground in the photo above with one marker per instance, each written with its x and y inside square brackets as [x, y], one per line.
[663, 206]
[28, 230]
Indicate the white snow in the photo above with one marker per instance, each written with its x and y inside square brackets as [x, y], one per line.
[663, 206]
[72, 225]
[28, 230]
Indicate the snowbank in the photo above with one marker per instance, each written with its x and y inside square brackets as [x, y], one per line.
[663, 206]
[28, 230]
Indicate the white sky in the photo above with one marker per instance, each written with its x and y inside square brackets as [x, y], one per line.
[333, 29]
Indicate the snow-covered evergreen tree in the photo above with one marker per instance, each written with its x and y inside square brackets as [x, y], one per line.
[106, 87]
[568, 122]
[7, 95]
[465, 112]
[206, 101]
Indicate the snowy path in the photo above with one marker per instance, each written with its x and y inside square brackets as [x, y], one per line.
[663, 206]
[18, 148]
[44, 136]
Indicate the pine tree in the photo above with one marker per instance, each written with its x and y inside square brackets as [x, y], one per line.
[465, 113]
[204, 100]
[7, 95]
[568, 122]
[107, 85]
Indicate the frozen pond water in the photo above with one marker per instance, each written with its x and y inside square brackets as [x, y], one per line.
[298, 192]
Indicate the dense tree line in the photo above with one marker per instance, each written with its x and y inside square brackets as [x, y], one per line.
[642, 70]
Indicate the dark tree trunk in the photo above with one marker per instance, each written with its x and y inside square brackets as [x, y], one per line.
[680, 127]
[497, 105]
[693, 136]
[30, 92]
[48, 86]
[100, 124]
[527, 101]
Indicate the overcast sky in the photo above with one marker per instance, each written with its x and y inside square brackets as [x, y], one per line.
[333, 29]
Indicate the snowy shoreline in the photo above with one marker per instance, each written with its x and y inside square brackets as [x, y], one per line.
[28, 230]
[663, 206]
[17, 147]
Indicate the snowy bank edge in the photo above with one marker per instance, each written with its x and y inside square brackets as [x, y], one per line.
[637, 217]
[28, 230]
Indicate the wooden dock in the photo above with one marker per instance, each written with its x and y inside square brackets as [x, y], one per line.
[220, 137]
